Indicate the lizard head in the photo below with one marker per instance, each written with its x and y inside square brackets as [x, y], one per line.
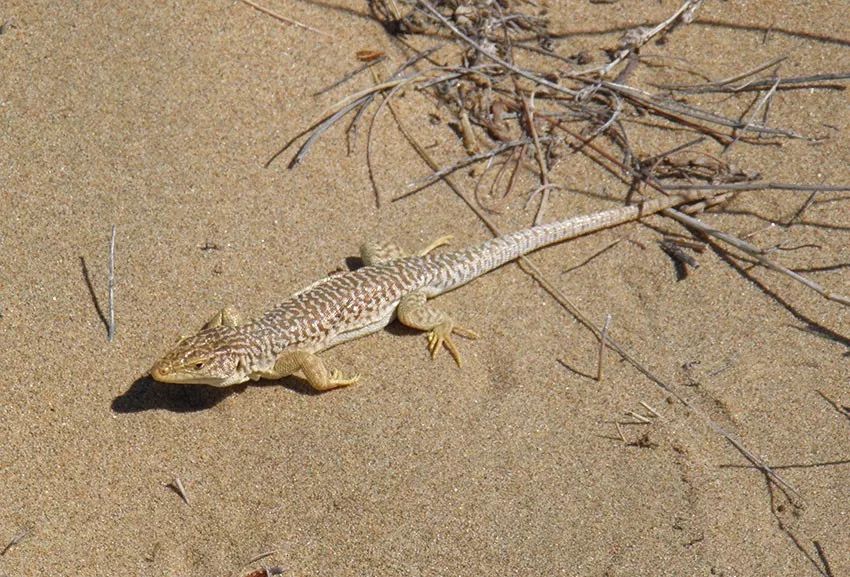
[214, 356]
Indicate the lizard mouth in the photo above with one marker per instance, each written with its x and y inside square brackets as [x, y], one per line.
[157, 374]
[163, 376]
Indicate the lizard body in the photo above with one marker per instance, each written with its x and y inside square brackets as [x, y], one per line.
[349, 305]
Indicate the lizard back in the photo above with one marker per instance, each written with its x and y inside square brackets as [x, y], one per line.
[342, 306]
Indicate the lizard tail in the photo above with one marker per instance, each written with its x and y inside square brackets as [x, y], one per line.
[457, 268]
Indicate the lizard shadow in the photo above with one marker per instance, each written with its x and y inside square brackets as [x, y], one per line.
[146, 394]
[294, 383]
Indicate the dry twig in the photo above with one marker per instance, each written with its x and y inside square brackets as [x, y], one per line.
[282, 18]
[177, 486]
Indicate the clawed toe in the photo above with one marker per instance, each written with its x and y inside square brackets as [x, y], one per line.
[465, 333]
[441, 336]
[338, 380]
[442, 241]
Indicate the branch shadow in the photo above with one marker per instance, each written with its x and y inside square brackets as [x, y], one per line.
[843, 411]
[704, 22]
[810, 324]
[812, 465]
[712, 23]
[784, 511]
[92, 293]
[778, 509]
[576, 372]
[341, 9]
[828, 226]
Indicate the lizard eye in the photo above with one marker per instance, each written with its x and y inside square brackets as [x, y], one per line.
[199, 365]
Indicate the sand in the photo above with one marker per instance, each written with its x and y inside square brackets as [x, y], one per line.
[158, 117]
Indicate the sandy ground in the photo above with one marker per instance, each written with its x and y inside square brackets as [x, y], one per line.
[158, 117]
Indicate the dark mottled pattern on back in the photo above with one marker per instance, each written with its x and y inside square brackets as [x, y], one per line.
[341, 303]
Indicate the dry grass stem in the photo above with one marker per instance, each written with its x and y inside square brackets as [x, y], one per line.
[639, 417]
[819, 81]
[177, 485]
[595, 255]
[761, 104]
[620, 431]
[281, 18]
[798, 214]
[260, 557]
[760, 185]
[676, 110]
[349, 76]
[545, 186]
[650, 409]
[439, 173]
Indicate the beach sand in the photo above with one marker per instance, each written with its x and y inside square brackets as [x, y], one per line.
[159, 117]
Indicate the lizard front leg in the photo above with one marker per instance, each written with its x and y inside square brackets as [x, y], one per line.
[415, 312]
[225, 317]
[313, 369]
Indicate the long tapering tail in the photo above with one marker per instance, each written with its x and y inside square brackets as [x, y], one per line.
[456, 268]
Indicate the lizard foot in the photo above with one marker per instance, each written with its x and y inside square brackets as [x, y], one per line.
[441, 336]
[442, 241]
[337, 380]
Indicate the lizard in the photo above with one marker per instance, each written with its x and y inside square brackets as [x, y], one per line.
[348, 305]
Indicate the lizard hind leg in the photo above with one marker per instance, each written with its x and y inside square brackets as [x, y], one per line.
[414, 311]
[313, 369]
[377, 252]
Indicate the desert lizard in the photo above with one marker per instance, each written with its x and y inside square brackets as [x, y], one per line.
[345, 306]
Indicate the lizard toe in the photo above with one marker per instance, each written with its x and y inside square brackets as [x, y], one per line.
[338, 380]
[441, 336]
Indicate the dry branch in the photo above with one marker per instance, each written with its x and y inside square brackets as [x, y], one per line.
[490, 82]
